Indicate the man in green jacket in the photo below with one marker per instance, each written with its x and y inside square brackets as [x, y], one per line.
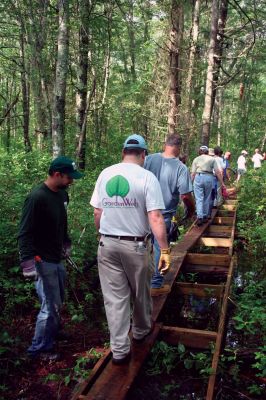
[43, 242]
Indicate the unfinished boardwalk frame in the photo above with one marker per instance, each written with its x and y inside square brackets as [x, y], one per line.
[112, 382]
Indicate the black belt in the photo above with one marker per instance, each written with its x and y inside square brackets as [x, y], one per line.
[130, 238]
[204, 173]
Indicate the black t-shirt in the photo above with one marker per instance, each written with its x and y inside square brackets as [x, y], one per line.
[43, 226]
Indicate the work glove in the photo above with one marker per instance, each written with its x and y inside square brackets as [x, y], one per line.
[164, 261]
[66, 250]
[29, 269]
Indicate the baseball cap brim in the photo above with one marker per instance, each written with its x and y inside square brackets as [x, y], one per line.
[75, 174]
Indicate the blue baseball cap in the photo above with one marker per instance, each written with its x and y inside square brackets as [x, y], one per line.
[135, 142]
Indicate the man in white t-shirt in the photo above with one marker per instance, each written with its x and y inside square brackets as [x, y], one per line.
[221, 165]
[127, 202]
[257, 159]
[241, 164]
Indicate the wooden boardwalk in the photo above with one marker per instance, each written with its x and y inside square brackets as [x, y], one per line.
[112, 382]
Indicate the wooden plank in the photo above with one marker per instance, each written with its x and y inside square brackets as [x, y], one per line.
[192, 235]
[178, 254]
[219, 228]
[225, 213]
[218, 343]
[205, 269]
[200, 290]
[229, 207]
[215, 242]
[116, 380]
[220, 333]
[231, 201]
[223, 220]
[233, 235]
[95, 373]
[217, 234]
[194, 338]
[208, 259]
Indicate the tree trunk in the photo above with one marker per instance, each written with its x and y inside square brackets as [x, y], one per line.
[25, 96]
[129, 18]
[217, 113]
[58, 127]
[37, 38]
[176, 32]
[206, 117]
[82, 81]
[219, 46]
[188, 116]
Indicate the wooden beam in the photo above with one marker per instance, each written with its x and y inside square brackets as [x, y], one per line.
[217, 234]
[115, 381]
[188, 337]
[205, 269]
[225, 213]
[215, 242]
[95, 373]
[231, 201]
[200, 290]
[219, 228]
[208, 259]
[220, 333]
[223, 220]
[229, 207]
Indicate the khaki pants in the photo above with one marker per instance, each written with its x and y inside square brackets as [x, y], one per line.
[125, 275]
[220, 199]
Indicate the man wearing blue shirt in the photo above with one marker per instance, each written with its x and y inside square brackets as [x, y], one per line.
[175, 182]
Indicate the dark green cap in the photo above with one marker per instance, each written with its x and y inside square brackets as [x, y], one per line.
[66, 166]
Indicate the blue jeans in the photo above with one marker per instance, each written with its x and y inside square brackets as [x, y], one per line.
[203, 184]
[50, 289]
[213, 194]
[158, 279]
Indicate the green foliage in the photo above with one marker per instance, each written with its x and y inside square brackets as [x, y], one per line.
[83, 366]
[165, 358]
[80, 371]
[252, 211]
[250, 316]
[260, 364]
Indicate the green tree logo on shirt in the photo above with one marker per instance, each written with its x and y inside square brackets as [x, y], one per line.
[117, 186]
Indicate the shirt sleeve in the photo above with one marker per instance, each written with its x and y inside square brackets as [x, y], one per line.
[95, 198]
[26, 229]
[216, 166]
[193, 167]
[184, 181]
[153, 192]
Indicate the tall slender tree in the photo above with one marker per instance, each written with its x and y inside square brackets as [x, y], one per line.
[207, 111]
[187, 100]
[176, 34]
[85, 8]
[58, 127]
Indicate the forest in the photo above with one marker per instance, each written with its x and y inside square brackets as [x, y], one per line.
[76, 78]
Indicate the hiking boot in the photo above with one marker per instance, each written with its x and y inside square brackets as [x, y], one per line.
[123, 360]
[159, 291]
